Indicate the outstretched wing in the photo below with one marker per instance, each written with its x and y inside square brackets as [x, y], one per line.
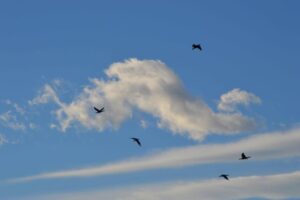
[137, 141]
[96, 109]
[99, 110]
[199, 46]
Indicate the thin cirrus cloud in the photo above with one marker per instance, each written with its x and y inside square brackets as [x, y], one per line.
[278, 186]
[151, 87]
[266, 146]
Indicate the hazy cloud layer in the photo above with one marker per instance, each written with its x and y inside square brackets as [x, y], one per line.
[261, 147]
[151, 87]
[280, 186]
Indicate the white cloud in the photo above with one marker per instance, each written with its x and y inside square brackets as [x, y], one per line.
[151, 87]
[16, 106]
[17, 118]
[260, 147]
[46, 95]
[279, 186]
[230, 100]
[9, 120]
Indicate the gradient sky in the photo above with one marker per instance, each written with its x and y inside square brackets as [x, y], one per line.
[252, 46]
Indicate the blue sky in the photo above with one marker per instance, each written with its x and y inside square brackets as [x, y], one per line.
[250, 57]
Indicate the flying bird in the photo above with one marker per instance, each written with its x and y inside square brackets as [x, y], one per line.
[99, 110]
[137, 140]
[244, 157]
[197, 46]
[225, 176]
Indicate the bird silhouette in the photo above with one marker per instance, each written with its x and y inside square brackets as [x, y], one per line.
[244, 157]
[137, 140]
[99, 110]
[197, 46]
[225, 176]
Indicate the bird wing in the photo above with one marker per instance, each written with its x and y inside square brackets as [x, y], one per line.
[137, 141]
[96, 109]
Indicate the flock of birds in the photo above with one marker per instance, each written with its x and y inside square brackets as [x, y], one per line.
[243, 157]
[134, 139]
[138, 142]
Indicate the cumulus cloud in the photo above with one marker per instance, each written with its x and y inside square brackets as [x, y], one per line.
[151, 87]
[278, 186]
[230, 100]
[261, 147]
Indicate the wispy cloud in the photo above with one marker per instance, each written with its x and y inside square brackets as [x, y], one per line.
[261, 147]
[279, 186]
[9, 120]
[16, 117]
[3, 139]
[46, 95]
[32, 125]
[149, 86]
[230, 100]
[144, 123]
[16, 106]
